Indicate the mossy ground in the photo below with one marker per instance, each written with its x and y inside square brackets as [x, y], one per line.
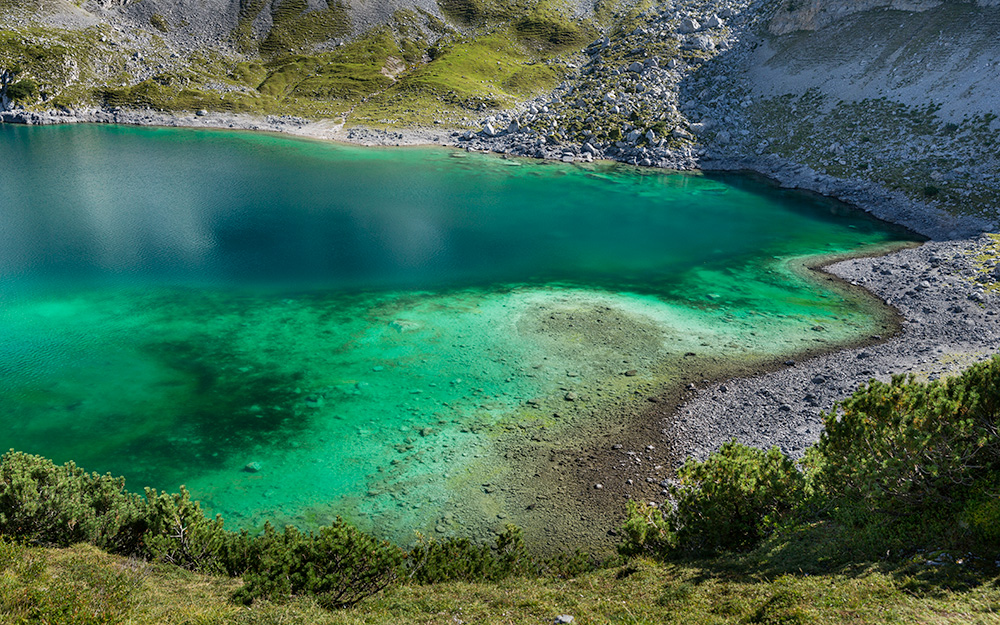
[415, 70]
[987, 263]
[84, 585]
[56, 60]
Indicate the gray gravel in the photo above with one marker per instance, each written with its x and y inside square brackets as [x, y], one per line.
[949, 322]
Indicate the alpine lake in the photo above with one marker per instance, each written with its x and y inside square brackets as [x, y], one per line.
[418, 340]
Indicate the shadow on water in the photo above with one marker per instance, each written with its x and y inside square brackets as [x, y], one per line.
[232, 409]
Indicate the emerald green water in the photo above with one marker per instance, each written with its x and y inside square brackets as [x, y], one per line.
[370, 329]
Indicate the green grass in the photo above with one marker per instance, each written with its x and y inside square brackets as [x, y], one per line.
[493, 70]
[350, 73]
[413, 71]
[83, 585]
[464, 12]
[295, 28]
[48, 56]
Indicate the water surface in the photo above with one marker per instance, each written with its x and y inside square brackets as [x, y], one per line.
[298, 330]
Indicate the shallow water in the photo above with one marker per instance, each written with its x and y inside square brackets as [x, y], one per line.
[298, 330]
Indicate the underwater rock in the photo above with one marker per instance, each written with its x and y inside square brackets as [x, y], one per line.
[404, 325]
[252, 467]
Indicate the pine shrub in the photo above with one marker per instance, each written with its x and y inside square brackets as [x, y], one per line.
[908, 448]
[59, 505]
[338, 565]
[734, 499]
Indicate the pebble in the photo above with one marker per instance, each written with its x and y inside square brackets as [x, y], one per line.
[747, 410]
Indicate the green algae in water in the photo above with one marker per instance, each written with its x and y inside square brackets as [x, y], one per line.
[298, 330]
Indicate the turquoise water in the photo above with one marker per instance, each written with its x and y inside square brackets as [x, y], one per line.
[298, 330]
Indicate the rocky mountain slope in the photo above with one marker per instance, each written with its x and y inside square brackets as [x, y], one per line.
[387, 62]
[890, 99]
[893, 109]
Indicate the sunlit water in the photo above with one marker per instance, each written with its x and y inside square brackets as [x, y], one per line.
[298, 330]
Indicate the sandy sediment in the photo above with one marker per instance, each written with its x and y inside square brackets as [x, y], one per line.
[325, 129]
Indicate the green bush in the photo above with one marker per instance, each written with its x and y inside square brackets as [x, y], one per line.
[339, 566]
[53, 505]
[22, 90]
[734, 499]
[731, 501]
[900, 465]
[459, 559]
[645, 532]
[981, 514]
[907, 448]
[159, 22]
[179, 533]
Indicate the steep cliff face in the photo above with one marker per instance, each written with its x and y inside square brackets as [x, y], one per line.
[907, 98]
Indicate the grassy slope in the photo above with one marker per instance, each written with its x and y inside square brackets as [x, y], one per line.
[406, 72]
[84, 585]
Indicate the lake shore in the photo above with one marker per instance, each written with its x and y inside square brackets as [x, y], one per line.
[943, 290]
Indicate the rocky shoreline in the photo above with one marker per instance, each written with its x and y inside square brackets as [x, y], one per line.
[949, 321]
[945, 290]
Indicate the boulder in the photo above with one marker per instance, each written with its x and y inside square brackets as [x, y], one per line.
[688, 25]
[701, 42]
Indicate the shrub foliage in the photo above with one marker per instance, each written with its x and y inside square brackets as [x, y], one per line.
[59, 505]
[45, 504]
[53, 505]
[905, 446]
[728, 502]
[338, 565]
[904, 462]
